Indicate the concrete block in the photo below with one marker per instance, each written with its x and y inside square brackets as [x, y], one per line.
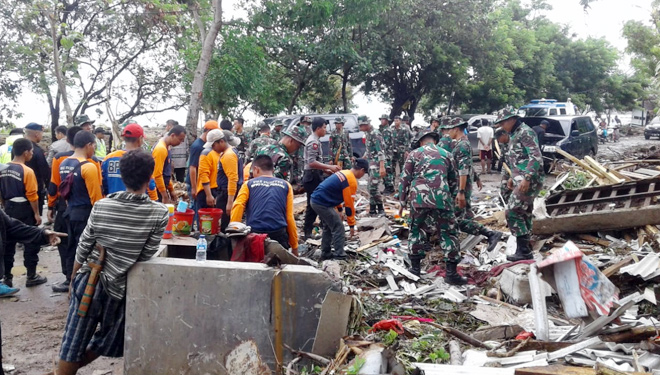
[188, 317]
[514, 282]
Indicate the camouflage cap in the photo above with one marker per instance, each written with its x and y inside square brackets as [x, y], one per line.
[306, 119]
[340, 120]
[277, 123]
[426, 133]
[452, 123]
[397, 117]
[406, 118]
[444, 120]
[383, 116]
[506, 114]
[83, 119]
[298, 133]
[364, 120]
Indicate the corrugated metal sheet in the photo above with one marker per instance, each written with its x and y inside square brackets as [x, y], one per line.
[647, 268]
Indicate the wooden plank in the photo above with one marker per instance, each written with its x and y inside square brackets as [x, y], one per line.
[577, 199]
[598, 220]
[650, 172]
[595, 165]
[561, 353]
[613, 269]
[579, 162]
[594, 240]
[591, 206]
[629, 202]
[634, 175]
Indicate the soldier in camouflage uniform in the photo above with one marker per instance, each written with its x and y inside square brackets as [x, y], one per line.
[375, 154]
[240, 133]
[462, 154]
[502, 137]
[277, 130]
[282, 152]
[525, 160]
[401, 144]
[299, 159]
[341, 142]
[425, 189]
[386, 133]
[264, 139]
[445, 140]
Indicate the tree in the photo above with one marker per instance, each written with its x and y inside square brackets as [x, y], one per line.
[207, 38]
[86, 55]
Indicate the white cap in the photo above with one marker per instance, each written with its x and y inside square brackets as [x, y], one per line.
[217, 134]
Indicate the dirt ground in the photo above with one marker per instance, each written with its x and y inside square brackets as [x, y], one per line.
[33, 321]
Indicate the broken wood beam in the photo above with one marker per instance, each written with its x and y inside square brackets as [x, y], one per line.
[633, 335]
[614, 269]
[370, 245]
[594, 240]
[455, 356]
[597, 166]
[460, 335]
[579, 162]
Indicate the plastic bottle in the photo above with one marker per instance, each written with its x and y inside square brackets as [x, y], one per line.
[201, 249]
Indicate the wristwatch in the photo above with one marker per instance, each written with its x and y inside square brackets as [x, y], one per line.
[528, 177]
[461, 191]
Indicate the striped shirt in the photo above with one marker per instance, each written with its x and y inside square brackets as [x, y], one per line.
[130, 228]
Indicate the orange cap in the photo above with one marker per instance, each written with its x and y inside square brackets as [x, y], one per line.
[211, 124]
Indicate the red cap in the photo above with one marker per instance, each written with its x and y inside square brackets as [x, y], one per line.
[133, 131]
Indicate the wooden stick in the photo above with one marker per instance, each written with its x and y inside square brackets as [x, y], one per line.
[460, 335]
[579, 162]
[455, 356]
[511, 352]
[594, 240]
[613, 269]
[314, 357]
[502, 303]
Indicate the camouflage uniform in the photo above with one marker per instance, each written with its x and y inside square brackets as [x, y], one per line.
[388, 181]
[342, 140]
[258, 143]
[282, 161]
[243, 147]
[504, 190]
[277, 135]
[425, 188]
[462, 154]
[526, 162]
[374, 154]
[401, 142]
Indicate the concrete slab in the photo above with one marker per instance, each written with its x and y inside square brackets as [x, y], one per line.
[187, 317]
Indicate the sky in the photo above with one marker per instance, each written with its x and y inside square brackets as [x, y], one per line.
[605, 19]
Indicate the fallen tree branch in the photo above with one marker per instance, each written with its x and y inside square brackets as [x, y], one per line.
[460, 335]
[511, 352]
[314, 357]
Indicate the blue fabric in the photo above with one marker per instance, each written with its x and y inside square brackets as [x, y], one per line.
[193, 160]
[81, 333]
[262, 216]
[79, 196]
[11, 182]
[330, 193]
[111, 175]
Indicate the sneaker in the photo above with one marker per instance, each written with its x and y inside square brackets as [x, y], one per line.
[9, 281]
[35, 280]
[6, 291]
[62, 287]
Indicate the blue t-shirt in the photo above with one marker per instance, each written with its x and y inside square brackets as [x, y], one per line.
[193, 160]
[111, 175]
[266, 217]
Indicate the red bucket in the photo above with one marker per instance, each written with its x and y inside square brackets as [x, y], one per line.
[182, 222]
[209, 220]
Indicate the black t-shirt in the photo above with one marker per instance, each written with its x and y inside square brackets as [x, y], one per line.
[540, 133]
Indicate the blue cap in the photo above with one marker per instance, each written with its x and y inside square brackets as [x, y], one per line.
[34, 126]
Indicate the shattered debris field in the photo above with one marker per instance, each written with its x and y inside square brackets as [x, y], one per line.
[588, 300]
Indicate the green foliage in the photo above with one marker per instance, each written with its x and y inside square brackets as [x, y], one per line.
[390, 338]
[428, 348]
[313, 370]
[356, 366]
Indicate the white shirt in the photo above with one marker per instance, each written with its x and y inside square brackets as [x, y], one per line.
[485, 135]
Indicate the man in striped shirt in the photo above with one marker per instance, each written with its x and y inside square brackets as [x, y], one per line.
[129, 226]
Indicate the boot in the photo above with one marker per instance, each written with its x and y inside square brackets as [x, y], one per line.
[389, 190]
[372, 209]
[381, 210]
[62, 287]
[523, 250]
[416, 265]
[34, 280]
[452, 277]
[493, 238]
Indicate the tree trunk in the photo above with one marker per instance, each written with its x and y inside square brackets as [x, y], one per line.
[411, 110]
[58, 70]
[400, 98]
[202, 67]
[54, 107]
[295, 97]
[344, 84]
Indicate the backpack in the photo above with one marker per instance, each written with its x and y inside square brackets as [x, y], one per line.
[66, 186]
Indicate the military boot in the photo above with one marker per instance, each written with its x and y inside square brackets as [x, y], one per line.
[372, 209]
[416, 264]
[523, 250]
[493, 238]
[381, 210]
[452, 277]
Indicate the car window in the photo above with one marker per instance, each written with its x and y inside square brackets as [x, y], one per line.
[553, 112]
[574, 126]
[562, 111]
[583, 124]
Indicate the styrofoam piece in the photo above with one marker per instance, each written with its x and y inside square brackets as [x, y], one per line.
[568, 289]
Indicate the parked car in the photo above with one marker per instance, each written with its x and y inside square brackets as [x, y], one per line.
[547, 107]
[351, 125]
[652, 129]
[574, 134]
[474, 123]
